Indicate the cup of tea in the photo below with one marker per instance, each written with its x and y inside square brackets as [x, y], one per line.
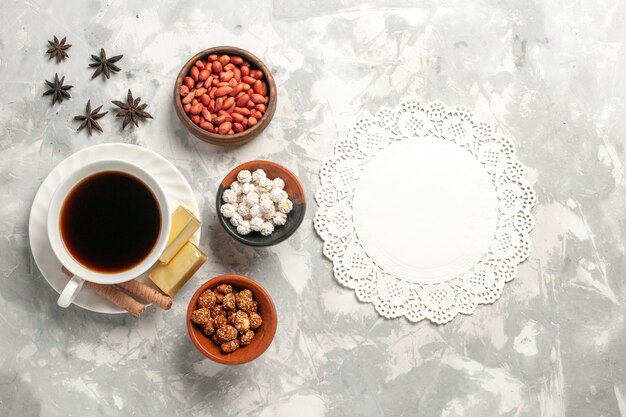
[108, 222]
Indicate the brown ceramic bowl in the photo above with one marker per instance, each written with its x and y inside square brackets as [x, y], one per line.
[263, 335]
[292, 187]
[238, 138]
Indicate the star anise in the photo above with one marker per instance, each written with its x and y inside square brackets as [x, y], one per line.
[57, 49]
[104, 65]
[90, 119]
[57, 89]
[132, 110]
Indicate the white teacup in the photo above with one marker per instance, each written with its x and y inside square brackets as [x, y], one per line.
[80, 272]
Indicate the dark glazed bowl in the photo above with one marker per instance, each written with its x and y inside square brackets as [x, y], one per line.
[292, 187]
[263, 335]
[238, 138]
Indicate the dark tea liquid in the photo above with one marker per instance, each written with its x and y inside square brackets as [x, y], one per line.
[110, 222]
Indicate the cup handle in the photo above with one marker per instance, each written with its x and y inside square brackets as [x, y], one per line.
[69, 293]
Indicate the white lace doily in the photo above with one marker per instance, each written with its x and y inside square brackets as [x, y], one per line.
[424, 211]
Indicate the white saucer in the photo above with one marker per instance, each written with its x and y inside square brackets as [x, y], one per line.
[176, 188]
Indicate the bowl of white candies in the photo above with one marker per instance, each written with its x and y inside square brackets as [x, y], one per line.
[260, 203]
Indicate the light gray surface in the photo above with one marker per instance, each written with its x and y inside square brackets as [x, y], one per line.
[552, 76]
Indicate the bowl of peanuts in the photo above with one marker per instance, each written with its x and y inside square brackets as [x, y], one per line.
[225, 96]
[231, 319]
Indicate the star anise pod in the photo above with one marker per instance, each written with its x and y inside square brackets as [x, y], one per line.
[132, 110]
[90, 119]
[104, 65]
[57, 49]
[57, 89]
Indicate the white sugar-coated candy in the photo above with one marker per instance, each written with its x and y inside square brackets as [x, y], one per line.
[269, 216]
[264, 197]
[228, 210]
[258, 174]
[255, 211]
[279, 183]
[243, 209]
[285, 206]
[255, 223]
[244, 228]
[279, 219]
[244, 176]
[236, 219]
[247, 188]
[265, 184]
[277, 195]
[236, 187]
[229, 196]
[252, 199]
[266, 229]
[267, 206]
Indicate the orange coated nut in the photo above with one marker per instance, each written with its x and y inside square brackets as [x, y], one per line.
[201, 316]
[231, 346]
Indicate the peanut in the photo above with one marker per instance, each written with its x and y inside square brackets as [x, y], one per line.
[226, 76]
[241, 101]
[224, 128]
[224, 59]
[228, 103]
[248, 79]
[195, 108]
[259, 87]
[237, 60]
[242, 110]
[238, 118]
[257, 99]
[207, 126]
[222, 91]
[203, 75]
[218, 120]
[189, 97]
[216, 67]
[194, 72]
[236, 90]
[218, 104]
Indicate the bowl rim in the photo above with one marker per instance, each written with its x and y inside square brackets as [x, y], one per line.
[238, 138]
[264, 243]
[256, 289]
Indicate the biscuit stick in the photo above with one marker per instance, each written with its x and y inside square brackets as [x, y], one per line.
[118, 298]
[147, 293]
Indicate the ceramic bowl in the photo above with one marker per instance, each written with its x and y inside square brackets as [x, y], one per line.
[263, 335]
[238, 138]
[292, 187]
